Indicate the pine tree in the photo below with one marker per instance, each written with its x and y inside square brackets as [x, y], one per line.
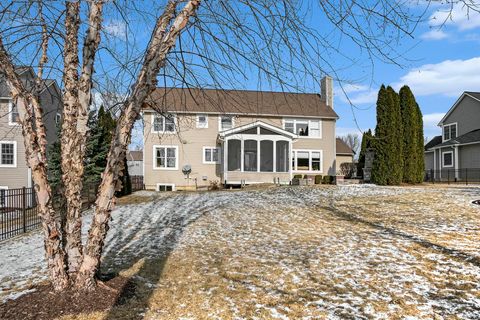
[395, 139]
[420, 152]
[380, 168]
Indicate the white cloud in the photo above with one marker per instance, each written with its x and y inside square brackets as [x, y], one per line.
[448, 78]
[430, 121]
[357, 94]
[434, 34]
[458, 14]
[116, 28]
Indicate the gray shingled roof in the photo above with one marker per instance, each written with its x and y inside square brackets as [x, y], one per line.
[473, 94]
[472, 136]
[432, 143]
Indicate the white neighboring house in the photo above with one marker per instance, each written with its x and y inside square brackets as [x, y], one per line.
[135, 163]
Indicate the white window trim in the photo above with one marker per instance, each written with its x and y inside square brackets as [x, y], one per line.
[295, 120]
[14, 165]
[443, 159]
[450, 135]
[294, 156]
[220, 122]
[10, 118]
[166, 184]
[199, 126]
[155, 157]
[211, 162]
[174, 116]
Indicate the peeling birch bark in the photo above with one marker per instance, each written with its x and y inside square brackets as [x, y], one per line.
[162, 41]
[35, 152]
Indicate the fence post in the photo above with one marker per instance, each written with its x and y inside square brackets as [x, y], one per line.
[24, 209]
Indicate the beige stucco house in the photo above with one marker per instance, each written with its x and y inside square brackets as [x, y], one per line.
[193, 137]
[14, 172]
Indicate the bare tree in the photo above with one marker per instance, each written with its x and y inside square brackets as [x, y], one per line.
[353, 141]
[192, 44]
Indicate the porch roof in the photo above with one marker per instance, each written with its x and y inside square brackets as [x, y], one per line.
[255, 124]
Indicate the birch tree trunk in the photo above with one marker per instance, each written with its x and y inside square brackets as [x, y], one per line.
[77, 98]
[35, 152]
[161, 42]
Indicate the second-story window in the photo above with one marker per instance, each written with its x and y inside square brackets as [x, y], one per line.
[449, 131]
[304, 128]
[226, 122]
[7, 154]
[202, 121]
[164, 123]
[14, 116]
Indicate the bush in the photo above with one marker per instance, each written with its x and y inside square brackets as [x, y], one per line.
[298, 176]
[318, 179]
[347, 169]
[214, 185]
[327, 180]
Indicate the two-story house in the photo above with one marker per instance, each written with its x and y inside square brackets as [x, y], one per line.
[14, 171]
[457, 150]
[193, 137]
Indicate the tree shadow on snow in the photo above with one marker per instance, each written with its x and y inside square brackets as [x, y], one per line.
[144, 247]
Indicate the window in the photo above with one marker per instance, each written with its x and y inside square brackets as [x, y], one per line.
[266, 156]
[448, 159]
[58, 118]
[225, 123]
[307, 160]
[234, 155]
[250, 155]
[202, 121]
[163, 123]
[13, 115]
[304, 128]
[165, 157]
[8, 153]
[165, 187]
[449, 131]
[211, 155]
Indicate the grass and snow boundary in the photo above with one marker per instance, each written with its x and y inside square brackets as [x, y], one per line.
[333, 252]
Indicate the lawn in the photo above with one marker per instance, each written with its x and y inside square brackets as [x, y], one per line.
[288, 253]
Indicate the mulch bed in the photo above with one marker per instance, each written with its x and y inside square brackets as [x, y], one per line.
[46, 304]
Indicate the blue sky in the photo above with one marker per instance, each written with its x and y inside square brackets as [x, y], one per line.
[440, 61]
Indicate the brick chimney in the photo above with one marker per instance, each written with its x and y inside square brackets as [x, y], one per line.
[327, 90]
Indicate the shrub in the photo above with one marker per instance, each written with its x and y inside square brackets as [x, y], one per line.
[327, 180]
[214, 185]
[298, 176]
[318, 179]
[347, 169]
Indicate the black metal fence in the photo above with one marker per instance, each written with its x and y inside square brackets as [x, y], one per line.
[137, 183]
[450, 176]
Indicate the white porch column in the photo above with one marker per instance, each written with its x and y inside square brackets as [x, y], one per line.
[258, 151]
[225, 160]
[274, 156]
[434, 164]
[290, 165]
[242, 151]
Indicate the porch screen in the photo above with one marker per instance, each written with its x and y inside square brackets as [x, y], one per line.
[234, 155]
[250, 156]
[282, 156]
[266, 156]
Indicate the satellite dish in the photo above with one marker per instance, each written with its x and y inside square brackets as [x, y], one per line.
[187, 169]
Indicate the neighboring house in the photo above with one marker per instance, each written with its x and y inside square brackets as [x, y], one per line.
[135, 163]
[193, 137]
[14, 172]
[344, 153]
[450, 155]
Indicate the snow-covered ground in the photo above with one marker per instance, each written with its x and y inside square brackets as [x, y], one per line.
[288, 253]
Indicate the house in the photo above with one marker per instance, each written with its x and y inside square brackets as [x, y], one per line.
[344, 153]
[135, 163]
[194, 137]
[14, 171]
[457, 150]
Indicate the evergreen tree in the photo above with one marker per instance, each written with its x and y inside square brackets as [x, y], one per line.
[380, 168]
[54, 169]
[420, 172]
[395, 139]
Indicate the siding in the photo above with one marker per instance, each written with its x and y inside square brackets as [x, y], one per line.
[190, 142]
[469, 156]
[466, 115]
[341, 159]
[428, 160]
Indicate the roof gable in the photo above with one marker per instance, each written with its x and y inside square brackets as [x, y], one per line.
[261, 124]
[342, 147]
[473, 95]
